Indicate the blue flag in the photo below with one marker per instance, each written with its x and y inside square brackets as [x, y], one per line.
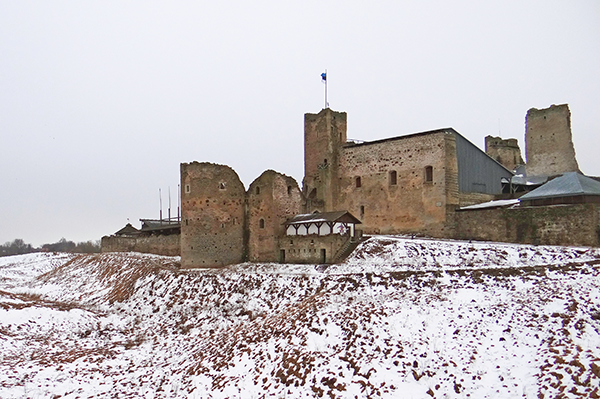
[324, 76]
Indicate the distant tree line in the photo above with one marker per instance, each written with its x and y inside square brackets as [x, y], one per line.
[18, 247]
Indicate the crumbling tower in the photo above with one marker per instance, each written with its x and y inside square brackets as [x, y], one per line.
[548, 141]
[212, 216]
[505, 151]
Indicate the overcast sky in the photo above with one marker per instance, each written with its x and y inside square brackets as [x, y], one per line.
[100, 101]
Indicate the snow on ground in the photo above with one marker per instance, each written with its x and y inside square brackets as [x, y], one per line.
[400, 318]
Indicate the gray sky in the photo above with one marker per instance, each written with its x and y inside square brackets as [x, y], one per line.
[101, 101]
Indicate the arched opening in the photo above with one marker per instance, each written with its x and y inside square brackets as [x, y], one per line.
[261, 223]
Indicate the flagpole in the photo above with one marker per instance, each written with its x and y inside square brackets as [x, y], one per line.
[324, 80]
[326, 105]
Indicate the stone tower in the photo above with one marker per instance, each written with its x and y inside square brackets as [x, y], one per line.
[505, 151]
[212, 216]
[272, 199]
[548, 142]
[324, 135]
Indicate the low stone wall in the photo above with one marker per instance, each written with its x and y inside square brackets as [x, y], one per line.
[168, 245]
[311, 248]
[577, 225]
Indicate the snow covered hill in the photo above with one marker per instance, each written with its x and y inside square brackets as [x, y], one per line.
[400, 318]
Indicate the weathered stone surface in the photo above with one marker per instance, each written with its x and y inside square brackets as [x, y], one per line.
[577, 224]
[504, 151]
[312, 248]
[168, 245]
[213, 218]
[548, 141]
[272, 198]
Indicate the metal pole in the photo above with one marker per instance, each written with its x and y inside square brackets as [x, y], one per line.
[326, 103]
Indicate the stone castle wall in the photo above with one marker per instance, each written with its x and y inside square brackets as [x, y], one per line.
[168, 245]
[272, 199]
[548, 141]
[577, 225]
[213, 217]
[397, 185]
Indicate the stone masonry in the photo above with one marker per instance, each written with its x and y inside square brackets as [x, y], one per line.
[504, 151]
[212, 215]
[548, 141]
[272, 199]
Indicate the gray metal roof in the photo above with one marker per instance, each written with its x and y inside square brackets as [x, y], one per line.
[151, 224]
[331, 217]
[568, 185]
[523, 180]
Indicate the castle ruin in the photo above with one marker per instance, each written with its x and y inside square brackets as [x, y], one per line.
[548, 141]
[434, 183]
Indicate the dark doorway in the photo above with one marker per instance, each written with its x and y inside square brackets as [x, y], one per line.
[282, 256]
[323, 255]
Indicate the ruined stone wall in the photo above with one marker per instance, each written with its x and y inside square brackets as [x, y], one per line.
[168, 245]
[309, 249]
[324, 134]
[545, 225]
[548, 141]
[273, 198]
[213, 218]
[504, 151]
[414, 202]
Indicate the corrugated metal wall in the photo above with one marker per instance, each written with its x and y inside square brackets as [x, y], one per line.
[477, 172]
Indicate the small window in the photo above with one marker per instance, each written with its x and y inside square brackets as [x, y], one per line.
[393, 178]
[325, 161]
[261, 223]
[221, 186]
[188, 188]
[257, 190]
[289, 190]
[362, 211]
[428, 174]
[358, 182]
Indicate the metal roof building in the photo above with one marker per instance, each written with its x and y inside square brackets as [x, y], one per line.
[570, 188]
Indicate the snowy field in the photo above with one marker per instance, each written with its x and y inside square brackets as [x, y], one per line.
[400, 318]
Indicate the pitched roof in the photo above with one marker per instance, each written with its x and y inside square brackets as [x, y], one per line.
[331, 217]
[568, 185]
[127, 230]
